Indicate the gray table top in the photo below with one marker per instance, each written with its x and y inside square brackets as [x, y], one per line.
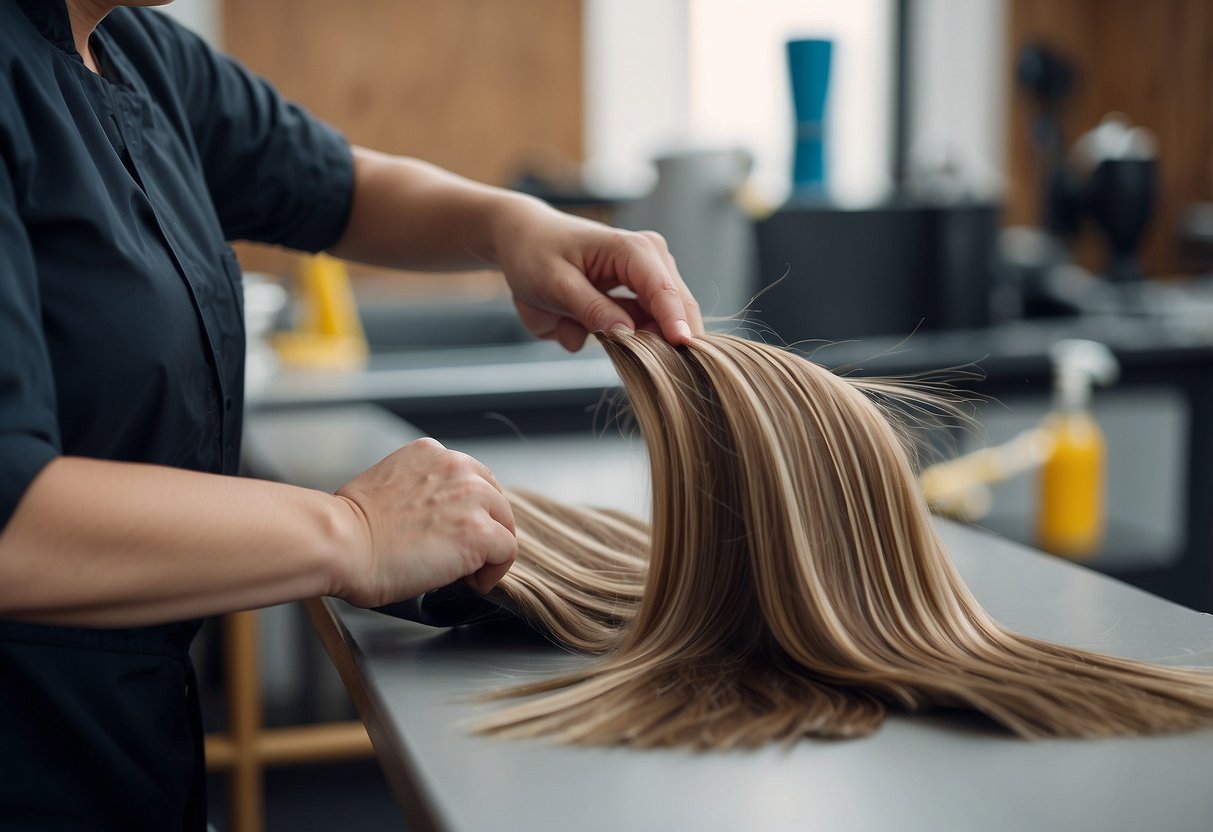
[441, 375]
[412, 685]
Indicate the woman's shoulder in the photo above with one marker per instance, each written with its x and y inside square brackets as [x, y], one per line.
[151, 33]
[30, 65]
[21, 42]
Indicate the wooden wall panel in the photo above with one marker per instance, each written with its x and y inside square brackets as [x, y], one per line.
[476, 86]
[1152, 61]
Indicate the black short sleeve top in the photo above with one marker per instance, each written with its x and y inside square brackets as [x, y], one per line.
[122, 338]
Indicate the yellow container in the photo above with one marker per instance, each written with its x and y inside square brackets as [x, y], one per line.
[329, 334]
[1070, 520]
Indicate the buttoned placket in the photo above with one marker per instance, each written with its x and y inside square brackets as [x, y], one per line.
[210, 302]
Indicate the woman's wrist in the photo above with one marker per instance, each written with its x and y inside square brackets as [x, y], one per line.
[347, 547]
[506, 215]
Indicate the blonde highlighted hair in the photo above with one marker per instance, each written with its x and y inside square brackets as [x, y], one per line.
[791, 583]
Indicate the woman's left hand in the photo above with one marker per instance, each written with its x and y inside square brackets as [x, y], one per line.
[561, 268]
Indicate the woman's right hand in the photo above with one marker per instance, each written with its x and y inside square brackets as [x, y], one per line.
[426, 517]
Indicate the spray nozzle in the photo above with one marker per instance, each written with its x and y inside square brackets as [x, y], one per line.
[1078, 365]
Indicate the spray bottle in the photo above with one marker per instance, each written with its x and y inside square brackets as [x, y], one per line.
[1070, 519]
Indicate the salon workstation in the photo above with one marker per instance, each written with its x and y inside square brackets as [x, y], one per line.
[1004, 206]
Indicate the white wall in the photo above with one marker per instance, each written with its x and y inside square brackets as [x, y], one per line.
[203, 16]
[636, 88]
[960, 88]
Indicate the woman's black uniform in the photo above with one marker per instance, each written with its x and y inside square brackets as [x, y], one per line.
[121, 338]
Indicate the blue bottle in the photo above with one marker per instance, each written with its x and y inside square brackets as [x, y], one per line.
[809, 68]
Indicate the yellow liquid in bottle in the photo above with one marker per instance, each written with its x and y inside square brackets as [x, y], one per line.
[1071, 513]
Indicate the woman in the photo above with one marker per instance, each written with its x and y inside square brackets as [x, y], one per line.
[130, 154]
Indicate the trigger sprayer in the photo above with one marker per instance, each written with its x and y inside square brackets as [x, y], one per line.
[1070, 517]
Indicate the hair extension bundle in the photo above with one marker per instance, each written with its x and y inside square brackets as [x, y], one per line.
[791, 584]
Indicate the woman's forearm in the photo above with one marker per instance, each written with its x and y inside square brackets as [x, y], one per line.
[410, 214]
[561, 269]
[111, 544]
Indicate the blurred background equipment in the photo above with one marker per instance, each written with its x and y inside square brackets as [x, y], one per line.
[1116, 162]
[959, 487]
[1109, 178]
[1048, 78]
[697, 206]
[831, 272]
